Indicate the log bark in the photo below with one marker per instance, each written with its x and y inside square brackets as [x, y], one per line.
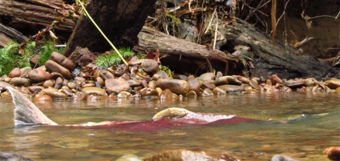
[120, 20]
[181, 55]
[273, 59]
[37, 12]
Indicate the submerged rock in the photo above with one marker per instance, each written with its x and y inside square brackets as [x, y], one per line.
[180, 155]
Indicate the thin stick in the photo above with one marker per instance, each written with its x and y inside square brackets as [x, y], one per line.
[215, 36]
[212, 17]
[107, 39]
[283, 13]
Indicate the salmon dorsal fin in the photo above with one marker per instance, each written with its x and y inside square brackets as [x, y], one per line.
[25, 112]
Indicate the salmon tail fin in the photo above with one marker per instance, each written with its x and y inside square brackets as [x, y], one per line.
[25, 112]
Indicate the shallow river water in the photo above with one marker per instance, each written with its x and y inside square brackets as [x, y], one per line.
[304, 138]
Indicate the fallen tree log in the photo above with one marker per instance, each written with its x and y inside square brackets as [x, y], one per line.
[37, 12]
[181, 55]
[273, 59]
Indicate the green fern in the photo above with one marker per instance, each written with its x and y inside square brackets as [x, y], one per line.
[107, 60]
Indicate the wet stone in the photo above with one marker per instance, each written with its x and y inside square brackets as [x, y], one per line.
[194, 85]
[208, 77]
[94, 90]
[18, 81]
[62, 60]
[175, 85]
[232, 88]
[207, 92]
[52, 66]
[116, 85]
[16, 72]
[24, 71]
[38, 75]
[54, 93]
[133, 82]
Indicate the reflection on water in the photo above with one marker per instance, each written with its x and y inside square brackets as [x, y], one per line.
[302, 138]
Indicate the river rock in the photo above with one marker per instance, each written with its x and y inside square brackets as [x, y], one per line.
[333, 153]
[52, 66]
[58, 83]
[295, 83]
[228, 80]
[62, 60]
[82, 56]
[54, 93]
[207, 77]
[25, 70]
[42, 98]
[180, 155]
[208, 85]
[148, 92]
[275, 79]
[106, 75]
[175, 85]
[333, 83]
[18, 81]
[48, 83]
[282, 158]
[35, 89]
[167, 95]
[194, 85]
[116, 85]
[38, 75]
[148, 65]
[219, 91]
[231, 88]
[94, 90]
[16, 72]
[207, 92]
[163, 74]
[134, 82]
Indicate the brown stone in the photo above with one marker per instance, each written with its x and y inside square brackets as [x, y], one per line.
[148, 65]
[231, 88]
[54, 93]
[16, 72]
[52, 66]
[18, 81]
[116, 85]
[194, 85]
[62, 60]
[93, 90]
[35, 89]
[24, 71]
[82, 56]
[207, 77]
[38, 75]
[175, 85]
[180, 155]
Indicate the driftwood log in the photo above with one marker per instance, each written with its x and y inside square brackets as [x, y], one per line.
[178, 54]
[24, 14]
[274, 59]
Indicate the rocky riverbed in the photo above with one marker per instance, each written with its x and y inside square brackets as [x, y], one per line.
[77, 78]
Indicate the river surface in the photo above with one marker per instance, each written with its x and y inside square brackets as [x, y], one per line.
[305, 138]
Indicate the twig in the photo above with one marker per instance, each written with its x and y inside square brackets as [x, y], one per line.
[252, 12]
[283, 13]
[212, 17]
[215, 36]
[107, 39]
[321, 16]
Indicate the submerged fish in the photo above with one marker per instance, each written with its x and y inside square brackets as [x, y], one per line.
[26, 113]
